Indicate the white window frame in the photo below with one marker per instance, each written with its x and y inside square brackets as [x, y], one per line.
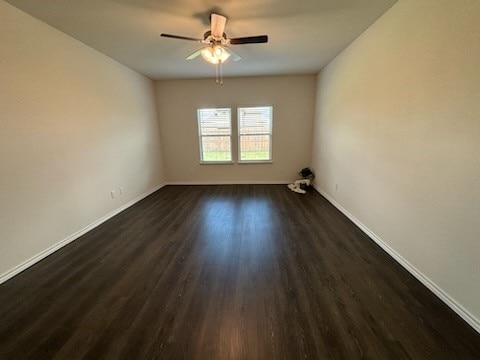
[270, 134]
[201, 136]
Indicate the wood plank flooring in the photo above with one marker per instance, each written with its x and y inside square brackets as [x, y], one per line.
[226, 272]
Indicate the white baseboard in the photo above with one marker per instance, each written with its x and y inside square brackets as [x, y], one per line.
[222, 182]
[36, 258]
[446, 298]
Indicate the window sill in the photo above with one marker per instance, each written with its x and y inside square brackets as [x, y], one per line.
[216, 162]
[246, 162]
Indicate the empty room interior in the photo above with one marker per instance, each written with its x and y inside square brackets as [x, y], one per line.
[267, 179]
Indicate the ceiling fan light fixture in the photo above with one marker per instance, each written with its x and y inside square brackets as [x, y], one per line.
[209, 55]
[218, 51]
[215, 54]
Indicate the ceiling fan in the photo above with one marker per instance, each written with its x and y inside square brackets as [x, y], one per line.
[216, 49]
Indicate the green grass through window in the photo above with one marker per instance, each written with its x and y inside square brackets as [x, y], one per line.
[254, 155]
[216, 156]
[246, 155]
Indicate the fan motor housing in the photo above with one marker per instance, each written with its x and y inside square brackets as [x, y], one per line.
[209, 33]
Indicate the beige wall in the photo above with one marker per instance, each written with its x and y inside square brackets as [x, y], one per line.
[397, 127]
[74, 125]
[292, 98]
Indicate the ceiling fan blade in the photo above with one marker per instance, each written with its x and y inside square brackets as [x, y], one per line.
[194, 55]
[181, 37]
[233, 54]
[217, 25]
[249, 40]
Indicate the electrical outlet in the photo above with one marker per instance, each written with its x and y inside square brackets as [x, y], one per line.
[112, 194]
[336, 186]
[121, 190]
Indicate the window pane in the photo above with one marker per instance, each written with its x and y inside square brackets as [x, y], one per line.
[255, 147]
[255, 120]
[214, 121]
[214, 129]
[255, 133]
[216, 148]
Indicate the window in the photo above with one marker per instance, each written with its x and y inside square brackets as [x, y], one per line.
[255, 133]
[215, 135]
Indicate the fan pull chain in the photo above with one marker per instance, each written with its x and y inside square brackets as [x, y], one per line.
[219, 73]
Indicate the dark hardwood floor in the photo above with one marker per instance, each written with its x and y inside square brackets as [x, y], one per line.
[226, 272]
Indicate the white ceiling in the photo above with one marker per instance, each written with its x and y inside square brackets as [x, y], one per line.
[304, 35]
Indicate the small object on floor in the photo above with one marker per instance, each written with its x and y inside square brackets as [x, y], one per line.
[300, 191]
[300, 186]
[297, 186]
[306, 173]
